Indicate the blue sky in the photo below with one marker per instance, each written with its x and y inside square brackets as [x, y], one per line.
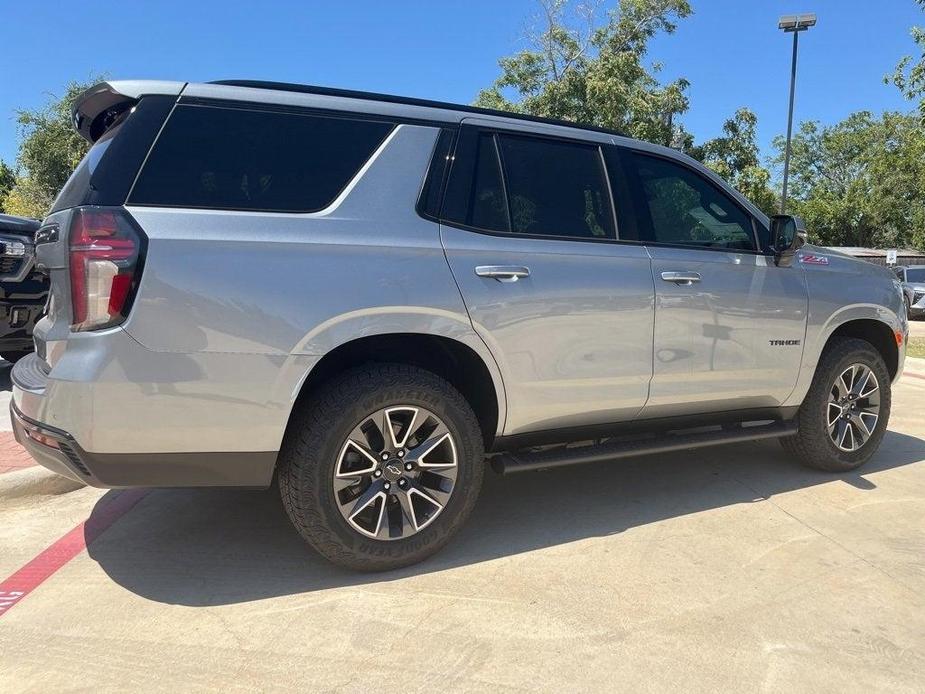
[730, 50]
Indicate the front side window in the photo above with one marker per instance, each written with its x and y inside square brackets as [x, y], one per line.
[686, 209]
[241, 159]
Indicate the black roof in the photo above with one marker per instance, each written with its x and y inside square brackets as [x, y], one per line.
[411, 101]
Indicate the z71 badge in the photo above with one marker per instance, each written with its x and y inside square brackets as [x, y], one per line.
[813, 259]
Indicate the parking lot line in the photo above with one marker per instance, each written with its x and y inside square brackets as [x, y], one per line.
[60, 552]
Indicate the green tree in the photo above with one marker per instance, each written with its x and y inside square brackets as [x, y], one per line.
[7, 181]
[909, 75]
[735, 157]
[860, 182]
[49, 150]
[590, 69]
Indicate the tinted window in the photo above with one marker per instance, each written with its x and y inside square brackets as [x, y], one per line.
[915, 275]
[556, 188]
[254, 160]
[487, 207]
[685, 208]
[432, 192]
[107, 171]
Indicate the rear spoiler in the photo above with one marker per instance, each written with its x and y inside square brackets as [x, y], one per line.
[99, 106]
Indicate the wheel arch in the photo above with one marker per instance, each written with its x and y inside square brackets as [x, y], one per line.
[876, 333]
[470, 372]
[873, 323]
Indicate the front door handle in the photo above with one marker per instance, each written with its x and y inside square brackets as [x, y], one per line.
[681, 277]
[503, 273]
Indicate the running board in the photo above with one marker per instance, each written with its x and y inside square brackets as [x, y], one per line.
[521, 461]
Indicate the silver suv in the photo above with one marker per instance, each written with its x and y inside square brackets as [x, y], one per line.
[364, 296]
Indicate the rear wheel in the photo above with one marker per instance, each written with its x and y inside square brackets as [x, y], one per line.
[845, 414]
[382, 467]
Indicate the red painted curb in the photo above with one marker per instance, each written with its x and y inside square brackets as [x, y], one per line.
[913, 375]
[59, 553]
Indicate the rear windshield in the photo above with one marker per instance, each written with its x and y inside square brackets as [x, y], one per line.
[243, 159]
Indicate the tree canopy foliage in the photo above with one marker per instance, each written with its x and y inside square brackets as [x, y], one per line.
[860, 182]
[587, 66]
[909, 75]
[49, 150]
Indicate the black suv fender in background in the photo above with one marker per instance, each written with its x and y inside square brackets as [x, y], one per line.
[23, 289]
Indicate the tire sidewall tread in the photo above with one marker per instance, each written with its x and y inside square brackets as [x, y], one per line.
[319, 429]
[812, 444]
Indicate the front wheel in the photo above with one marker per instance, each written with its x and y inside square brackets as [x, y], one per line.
[382, 467]
[845, 414]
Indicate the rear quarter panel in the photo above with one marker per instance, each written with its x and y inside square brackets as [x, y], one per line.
[293, 287]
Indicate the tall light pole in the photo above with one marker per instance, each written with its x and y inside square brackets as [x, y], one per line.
[792, 24]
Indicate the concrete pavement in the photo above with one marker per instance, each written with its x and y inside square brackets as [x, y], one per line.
[725, 569]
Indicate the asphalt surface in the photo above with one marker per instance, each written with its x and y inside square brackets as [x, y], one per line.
[726, 569]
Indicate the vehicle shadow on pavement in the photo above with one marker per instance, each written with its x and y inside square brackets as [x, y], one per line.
[218, 547]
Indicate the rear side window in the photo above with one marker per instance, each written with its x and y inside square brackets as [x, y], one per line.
[556, 188]
[236, 159]
[686, 209]
[536, 187]
[487, 206]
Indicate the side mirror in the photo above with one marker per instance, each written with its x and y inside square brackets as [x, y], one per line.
[788, 235]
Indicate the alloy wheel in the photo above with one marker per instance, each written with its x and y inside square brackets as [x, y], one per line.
[853, 407]
[395, 472]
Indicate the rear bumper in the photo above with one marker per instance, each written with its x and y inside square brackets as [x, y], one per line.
[48, 447]
[39, 398]
[57, 451]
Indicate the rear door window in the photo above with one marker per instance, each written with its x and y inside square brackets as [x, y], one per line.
[241, 159]
[532, 186]
[556, 188]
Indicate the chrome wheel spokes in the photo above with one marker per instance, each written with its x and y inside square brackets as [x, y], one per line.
[395, 472]
[853, 407]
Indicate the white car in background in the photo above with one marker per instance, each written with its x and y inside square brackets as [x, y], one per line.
[913, 279]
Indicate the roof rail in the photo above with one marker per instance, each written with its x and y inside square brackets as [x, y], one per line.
[410, 101]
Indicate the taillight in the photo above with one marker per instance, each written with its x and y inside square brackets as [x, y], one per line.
[105, 250]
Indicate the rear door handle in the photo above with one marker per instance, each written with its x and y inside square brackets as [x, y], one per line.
[503, 273]
[681, 277]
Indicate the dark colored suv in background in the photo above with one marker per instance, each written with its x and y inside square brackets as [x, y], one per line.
[23, 289]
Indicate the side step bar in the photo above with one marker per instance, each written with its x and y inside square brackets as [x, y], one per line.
[521, 461]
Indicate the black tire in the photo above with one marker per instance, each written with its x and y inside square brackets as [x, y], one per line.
[313, 442]
[812, 445]
[13, 357]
